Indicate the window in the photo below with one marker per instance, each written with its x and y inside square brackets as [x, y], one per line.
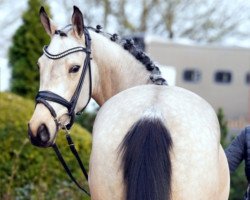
[223, 77]
[192, 75]
[248, 78]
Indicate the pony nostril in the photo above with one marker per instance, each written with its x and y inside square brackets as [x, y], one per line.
[43, 133]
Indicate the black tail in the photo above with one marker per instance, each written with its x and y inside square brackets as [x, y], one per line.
[146, 161]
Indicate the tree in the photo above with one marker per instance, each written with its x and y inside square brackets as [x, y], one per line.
[198, 20]
[223, 127]
[25, 51]
[9, 22]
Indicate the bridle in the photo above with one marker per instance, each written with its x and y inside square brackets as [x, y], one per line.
[45, 96]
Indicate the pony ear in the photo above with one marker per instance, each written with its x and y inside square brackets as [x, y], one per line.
[77, 21]
[47, 22]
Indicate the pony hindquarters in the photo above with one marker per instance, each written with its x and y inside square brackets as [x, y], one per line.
[124, 137]
[146, 161]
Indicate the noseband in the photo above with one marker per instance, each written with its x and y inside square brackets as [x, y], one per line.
[45, 96]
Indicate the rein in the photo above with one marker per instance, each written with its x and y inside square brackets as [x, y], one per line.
[45, 96]
[75, 153]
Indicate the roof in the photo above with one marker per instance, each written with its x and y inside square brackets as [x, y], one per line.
[185, 43]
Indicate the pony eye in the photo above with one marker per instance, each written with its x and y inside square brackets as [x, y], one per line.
[74, 69]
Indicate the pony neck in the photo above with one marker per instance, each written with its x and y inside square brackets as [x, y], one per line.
[114, 69]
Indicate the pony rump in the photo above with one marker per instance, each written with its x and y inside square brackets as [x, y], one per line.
[146, 163]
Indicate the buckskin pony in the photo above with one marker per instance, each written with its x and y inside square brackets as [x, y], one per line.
[151, 141]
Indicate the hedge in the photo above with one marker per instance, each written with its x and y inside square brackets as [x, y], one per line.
[28, 172]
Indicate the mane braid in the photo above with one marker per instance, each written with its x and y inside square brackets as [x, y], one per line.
[128, 44]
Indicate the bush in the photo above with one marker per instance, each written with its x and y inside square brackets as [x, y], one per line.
[28, 172]
[86, 120]
[238, 183]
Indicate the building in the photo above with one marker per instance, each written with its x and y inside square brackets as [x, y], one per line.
[221, 75]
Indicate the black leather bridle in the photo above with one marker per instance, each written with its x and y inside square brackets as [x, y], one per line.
[45, 96]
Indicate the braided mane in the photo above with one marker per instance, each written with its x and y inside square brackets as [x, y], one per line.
[142, 57]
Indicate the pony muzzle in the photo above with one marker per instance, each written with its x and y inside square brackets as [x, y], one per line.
[42, 129]
[42, 136]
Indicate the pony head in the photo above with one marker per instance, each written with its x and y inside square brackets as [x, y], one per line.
[61, 67]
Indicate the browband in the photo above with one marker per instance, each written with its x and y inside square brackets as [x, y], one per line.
[65, 53]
